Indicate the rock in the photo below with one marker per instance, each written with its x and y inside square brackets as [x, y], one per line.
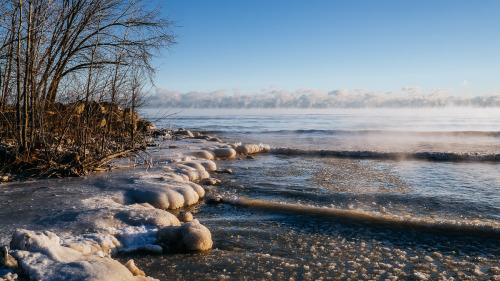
[210, 181]
[250, 157]
[215, 200]
[185, 216]
[224, 153]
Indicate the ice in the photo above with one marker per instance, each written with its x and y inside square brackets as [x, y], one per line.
[189, 236]
[136, 237]
[203, 154]
[165, 194]
[249, 149]
[96, 243]
[185, 216]
[104, 213]
[209, 166]
[138, 214]
[41, 257]
[224, 153]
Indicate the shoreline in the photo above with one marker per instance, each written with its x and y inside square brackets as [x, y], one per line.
[122, 209]
[140, 210]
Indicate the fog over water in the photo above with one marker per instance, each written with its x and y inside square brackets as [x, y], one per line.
[312, 98]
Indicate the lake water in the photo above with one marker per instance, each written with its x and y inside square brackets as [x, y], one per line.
[342, 195]
[360, 194]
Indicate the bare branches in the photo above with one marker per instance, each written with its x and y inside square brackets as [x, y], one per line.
[74, 51]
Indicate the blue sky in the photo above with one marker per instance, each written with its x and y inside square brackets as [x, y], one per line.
[377, 45]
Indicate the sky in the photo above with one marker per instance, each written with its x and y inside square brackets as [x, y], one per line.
[377, 45]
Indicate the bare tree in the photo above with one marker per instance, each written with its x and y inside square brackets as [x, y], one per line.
[78, 53]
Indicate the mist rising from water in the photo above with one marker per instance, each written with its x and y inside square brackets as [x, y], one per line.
[311, 98]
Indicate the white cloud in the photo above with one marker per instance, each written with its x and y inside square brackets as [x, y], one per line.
[465, 83]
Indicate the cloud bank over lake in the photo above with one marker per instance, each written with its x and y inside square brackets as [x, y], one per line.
[274, 97]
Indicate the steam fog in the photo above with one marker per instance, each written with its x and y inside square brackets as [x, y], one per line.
[311, 98]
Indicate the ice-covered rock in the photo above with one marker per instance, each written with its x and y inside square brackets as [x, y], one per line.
[191, 171]
[203, 154]
[190, 236]
[248, 149]
[185, 216]
[209, 166]
[41, 257]
[167, 194]
[224, 153]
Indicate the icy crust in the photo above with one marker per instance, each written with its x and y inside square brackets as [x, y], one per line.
[42, 257]
[164, 193]
[119, 228]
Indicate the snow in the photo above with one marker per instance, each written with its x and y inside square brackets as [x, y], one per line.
[41, 257]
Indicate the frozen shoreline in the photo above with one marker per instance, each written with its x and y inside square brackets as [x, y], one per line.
[126, 212]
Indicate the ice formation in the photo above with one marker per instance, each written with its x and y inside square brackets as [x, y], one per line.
[42, 257]
[203, 154]
[225, 153]
[191, 236]
[135, 218]
[249, 149]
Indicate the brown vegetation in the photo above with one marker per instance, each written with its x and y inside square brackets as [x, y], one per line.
[67, 68]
